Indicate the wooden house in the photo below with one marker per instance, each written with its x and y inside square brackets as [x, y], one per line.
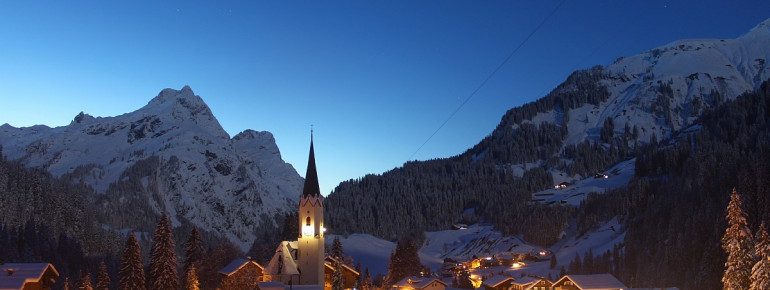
[241, 274]
[588, 282]
[419, 283]
[497, 283]
[27, 276]
[349, 276]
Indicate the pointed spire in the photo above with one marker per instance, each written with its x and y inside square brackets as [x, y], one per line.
[311, 187]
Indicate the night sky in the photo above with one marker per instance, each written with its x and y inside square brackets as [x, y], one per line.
[375, 78]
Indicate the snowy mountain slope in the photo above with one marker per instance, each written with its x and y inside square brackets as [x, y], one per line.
[572, 194]
[220, 184]
[483, 241]
[665, 89]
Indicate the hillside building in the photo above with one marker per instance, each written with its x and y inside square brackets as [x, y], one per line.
[27, 276]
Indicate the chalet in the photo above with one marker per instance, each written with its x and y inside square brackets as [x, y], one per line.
[531, 283]
[497, 283]
[561, 185]
[349, 276]
[588, 282]
[459, 227]
[241, 274]
[489, 262]
[419, 283]
[27, 276]
[601, 175]
[507, 259]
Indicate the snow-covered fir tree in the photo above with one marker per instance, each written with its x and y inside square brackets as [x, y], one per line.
[760, 273]
[131, 269]
[85, 281]
[193, 252]
[191, 279]
[103, 279]
[367, 285]
[163, 264]
[337, 252]
[737, 242]
[337, 282]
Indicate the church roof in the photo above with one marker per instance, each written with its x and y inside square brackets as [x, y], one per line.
[287, 264]
[311, 187]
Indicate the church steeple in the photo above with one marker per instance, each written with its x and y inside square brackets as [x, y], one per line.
[311, 187]
[310, 252]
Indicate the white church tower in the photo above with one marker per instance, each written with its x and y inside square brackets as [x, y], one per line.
[310, 244]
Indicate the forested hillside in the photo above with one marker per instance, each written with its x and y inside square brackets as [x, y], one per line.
[431, 195]
[674, 209]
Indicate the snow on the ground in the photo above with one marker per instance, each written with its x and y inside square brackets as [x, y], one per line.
[617, 176]
[482, 241]
[371, 252]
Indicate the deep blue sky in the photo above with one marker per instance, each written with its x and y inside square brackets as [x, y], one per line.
[375, 78]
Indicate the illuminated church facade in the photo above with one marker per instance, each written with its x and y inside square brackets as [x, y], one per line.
[303, 262]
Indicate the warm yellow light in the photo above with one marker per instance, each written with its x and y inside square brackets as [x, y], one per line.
[516, 265]
[307, 230]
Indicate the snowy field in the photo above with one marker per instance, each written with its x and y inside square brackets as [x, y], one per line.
[617, 176]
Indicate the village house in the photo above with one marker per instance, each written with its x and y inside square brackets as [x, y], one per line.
[241, 273]
[349, 276]
[531, 283]
[419, 283]
[27, 276]
[588, 282]
[497, 283]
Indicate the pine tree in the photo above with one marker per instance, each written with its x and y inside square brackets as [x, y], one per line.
[191, 279]
[760, 273]
[337, 251]
[131, 269]
[737, 243]
[552, 265]
[193, 253]
[367, 281]
[404, 261]
[337, 282]
[85, 281]
[103, 279]
[163, 273]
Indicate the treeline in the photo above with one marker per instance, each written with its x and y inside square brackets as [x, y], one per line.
[431, 195]
[674, 208]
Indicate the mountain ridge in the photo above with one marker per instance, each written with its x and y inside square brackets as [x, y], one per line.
[593, 120]
[196, 170]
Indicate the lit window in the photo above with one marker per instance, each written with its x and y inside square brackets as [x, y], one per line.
[307, 221]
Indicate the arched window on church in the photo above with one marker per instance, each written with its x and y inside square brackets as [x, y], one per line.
[307, 221]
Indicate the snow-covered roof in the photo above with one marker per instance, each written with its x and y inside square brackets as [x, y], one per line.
[237, 264]
[534, 284]
[526, 280]
[23, 273]
[595, 281]
[284, 252]
[416, 282]
[328, 262]
[495, 280]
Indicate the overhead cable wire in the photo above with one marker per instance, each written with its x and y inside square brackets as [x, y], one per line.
[500, 66]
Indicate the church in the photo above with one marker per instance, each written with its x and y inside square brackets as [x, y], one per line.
[302, 262]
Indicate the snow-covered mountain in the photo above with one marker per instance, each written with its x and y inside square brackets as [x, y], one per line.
[179, 159]
[597, 118]
[665, 89]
